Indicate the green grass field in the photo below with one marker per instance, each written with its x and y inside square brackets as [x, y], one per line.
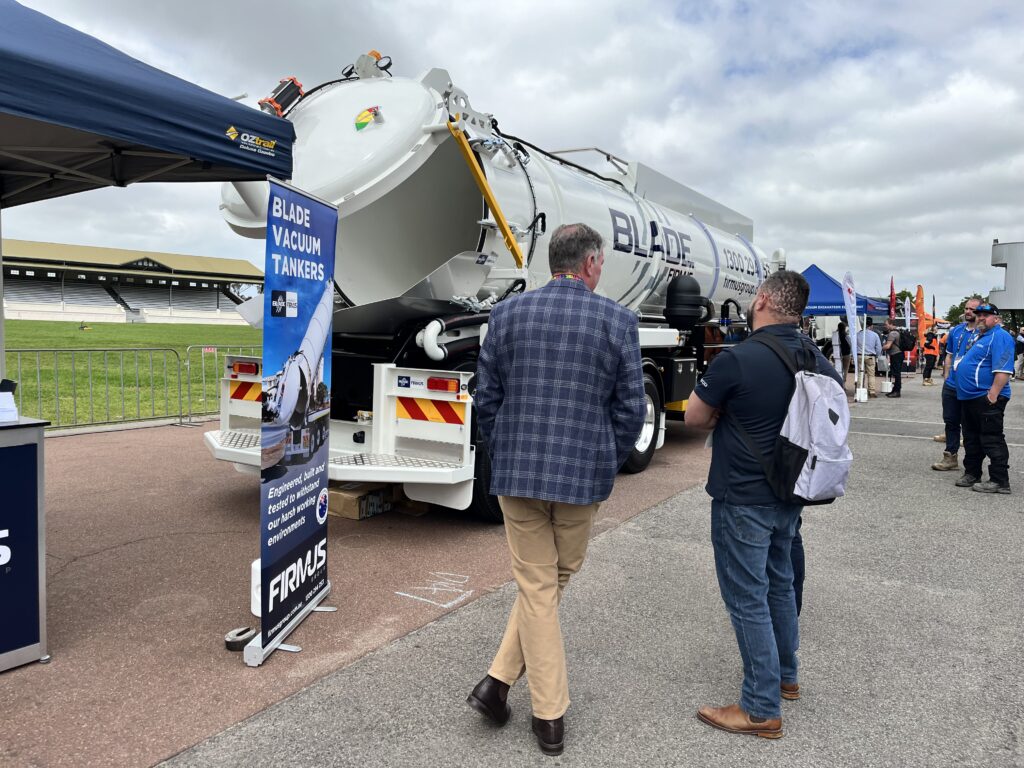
[162, 379]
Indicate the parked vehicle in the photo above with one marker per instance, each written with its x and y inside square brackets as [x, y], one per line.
[442, 215]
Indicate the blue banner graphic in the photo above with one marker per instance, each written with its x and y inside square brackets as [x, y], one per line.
[298, 304]
[19, 549]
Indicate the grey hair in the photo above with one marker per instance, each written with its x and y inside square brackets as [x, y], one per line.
[787, 293]
[570, 245]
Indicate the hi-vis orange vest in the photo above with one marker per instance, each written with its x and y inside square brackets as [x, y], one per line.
[933, 348]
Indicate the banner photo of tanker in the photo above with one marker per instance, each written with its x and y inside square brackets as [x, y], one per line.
[298, 304]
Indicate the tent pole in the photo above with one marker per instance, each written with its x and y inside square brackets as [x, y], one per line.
[863, 354]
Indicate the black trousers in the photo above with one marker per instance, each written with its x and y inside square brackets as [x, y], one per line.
[929, 364]
[983, 436]
[951, 415]
[896, 369]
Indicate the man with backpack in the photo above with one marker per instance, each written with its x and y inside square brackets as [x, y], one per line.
[893, 349]
[747, 395]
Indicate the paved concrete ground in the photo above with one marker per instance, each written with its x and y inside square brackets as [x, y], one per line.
[911, 640]
[148, 548]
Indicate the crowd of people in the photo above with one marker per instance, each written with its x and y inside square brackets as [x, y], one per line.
[559, 405]
[979, 357]
[874, 345]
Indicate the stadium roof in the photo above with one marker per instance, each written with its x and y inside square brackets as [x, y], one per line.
[31, 253]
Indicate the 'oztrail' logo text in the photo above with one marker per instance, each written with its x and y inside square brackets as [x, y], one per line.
[252, 142]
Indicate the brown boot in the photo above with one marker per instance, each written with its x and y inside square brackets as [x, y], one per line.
[790, 691]
[948, 462]
[734, 720]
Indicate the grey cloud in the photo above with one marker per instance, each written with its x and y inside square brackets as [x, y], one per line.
[868, 136]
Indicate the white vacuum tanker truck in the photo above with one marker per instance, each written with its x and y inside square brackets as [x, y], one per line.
[441, 216]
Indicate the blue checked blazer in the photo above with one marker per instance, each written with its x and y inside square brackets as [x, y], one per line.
[559, 393]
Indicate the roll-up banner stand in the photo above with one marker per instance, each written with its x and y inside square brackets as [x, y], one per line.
[298, 305]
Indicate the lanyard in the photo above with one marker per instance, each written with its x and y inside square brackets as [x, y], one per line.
[565, 276]
[970, 341]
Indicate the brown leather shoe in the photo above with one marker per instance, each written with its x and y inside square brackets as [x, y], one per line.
[790, 691]
[734, 720]
[550, 735]
[489, 699]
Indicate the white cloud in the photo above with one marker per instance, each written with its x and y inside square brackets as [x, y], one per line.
[867, 136]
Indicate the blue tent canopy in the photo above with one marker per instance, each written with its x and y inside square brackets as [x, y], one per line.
[827, 296]
[77, 114]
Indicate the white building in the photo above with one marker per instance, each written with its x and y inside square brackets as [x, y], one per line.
[1009, 256]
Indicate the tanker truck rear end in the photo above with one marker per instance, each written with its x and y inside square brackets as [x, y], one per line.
[441, 216]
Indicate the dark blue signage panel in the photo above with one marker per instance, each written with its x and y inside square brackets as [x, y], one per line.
[298, 305]
[19, 548]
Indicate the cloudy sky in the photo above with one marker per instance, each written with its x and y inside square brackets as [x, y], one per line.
[883, 138]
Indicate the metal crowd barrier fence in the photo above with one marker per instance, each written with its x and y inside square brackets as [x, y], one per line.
[202, 396]
[92, 386]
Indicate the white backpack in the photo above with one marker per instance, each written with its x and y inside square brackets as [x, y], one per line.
[810, 462]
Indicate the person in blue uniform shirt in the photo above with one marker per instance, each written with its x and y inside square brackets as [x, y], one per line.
[957, 340]
[983, 388]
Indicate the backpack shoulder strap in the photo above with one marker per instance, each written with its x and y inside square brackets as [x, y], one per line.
[751, 445]
[784, 354]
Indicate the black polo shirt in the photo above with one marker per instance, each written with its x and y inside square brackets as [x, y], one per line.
[752, 384]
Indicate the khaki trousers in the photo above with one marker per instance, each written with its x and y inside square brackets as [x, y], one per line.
[869, 373]
[547, 541]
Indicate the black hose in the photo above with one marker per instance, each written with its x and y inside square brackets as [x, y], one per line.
[462, 321]
[460, 346]
[557, 158]
[518, 286]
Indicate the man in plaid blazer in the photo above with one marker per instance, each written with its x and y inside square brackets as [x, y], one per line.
[559, 404]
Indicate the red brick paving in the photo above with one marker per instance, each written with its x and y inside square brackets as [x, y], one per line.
[149, 543]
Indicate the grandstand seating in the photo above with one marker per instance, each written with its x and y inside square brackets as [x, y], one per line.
[88, 294]
[205, 300]
[144, 296]
[32, 291]
[30, 298]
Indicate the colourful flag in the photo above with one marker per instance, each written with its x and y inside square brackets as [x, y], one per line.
[892, 299]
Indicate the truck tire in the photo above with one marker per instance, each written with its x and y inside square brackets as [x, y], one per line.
[643, 451]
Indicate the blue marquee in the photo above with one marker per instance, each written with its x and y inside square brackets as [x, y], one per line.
[827, 296]
[77, 114]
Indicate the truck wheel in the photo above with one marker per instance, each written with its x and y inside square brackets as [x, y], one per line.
[643, 451]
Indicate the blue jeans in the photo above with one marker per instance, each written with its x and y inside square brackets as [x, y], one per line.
[951, 415]
[799, 567]
[755, 575]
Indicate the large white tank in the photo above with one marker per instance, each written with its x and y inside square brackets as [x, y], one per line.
[380, 148]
